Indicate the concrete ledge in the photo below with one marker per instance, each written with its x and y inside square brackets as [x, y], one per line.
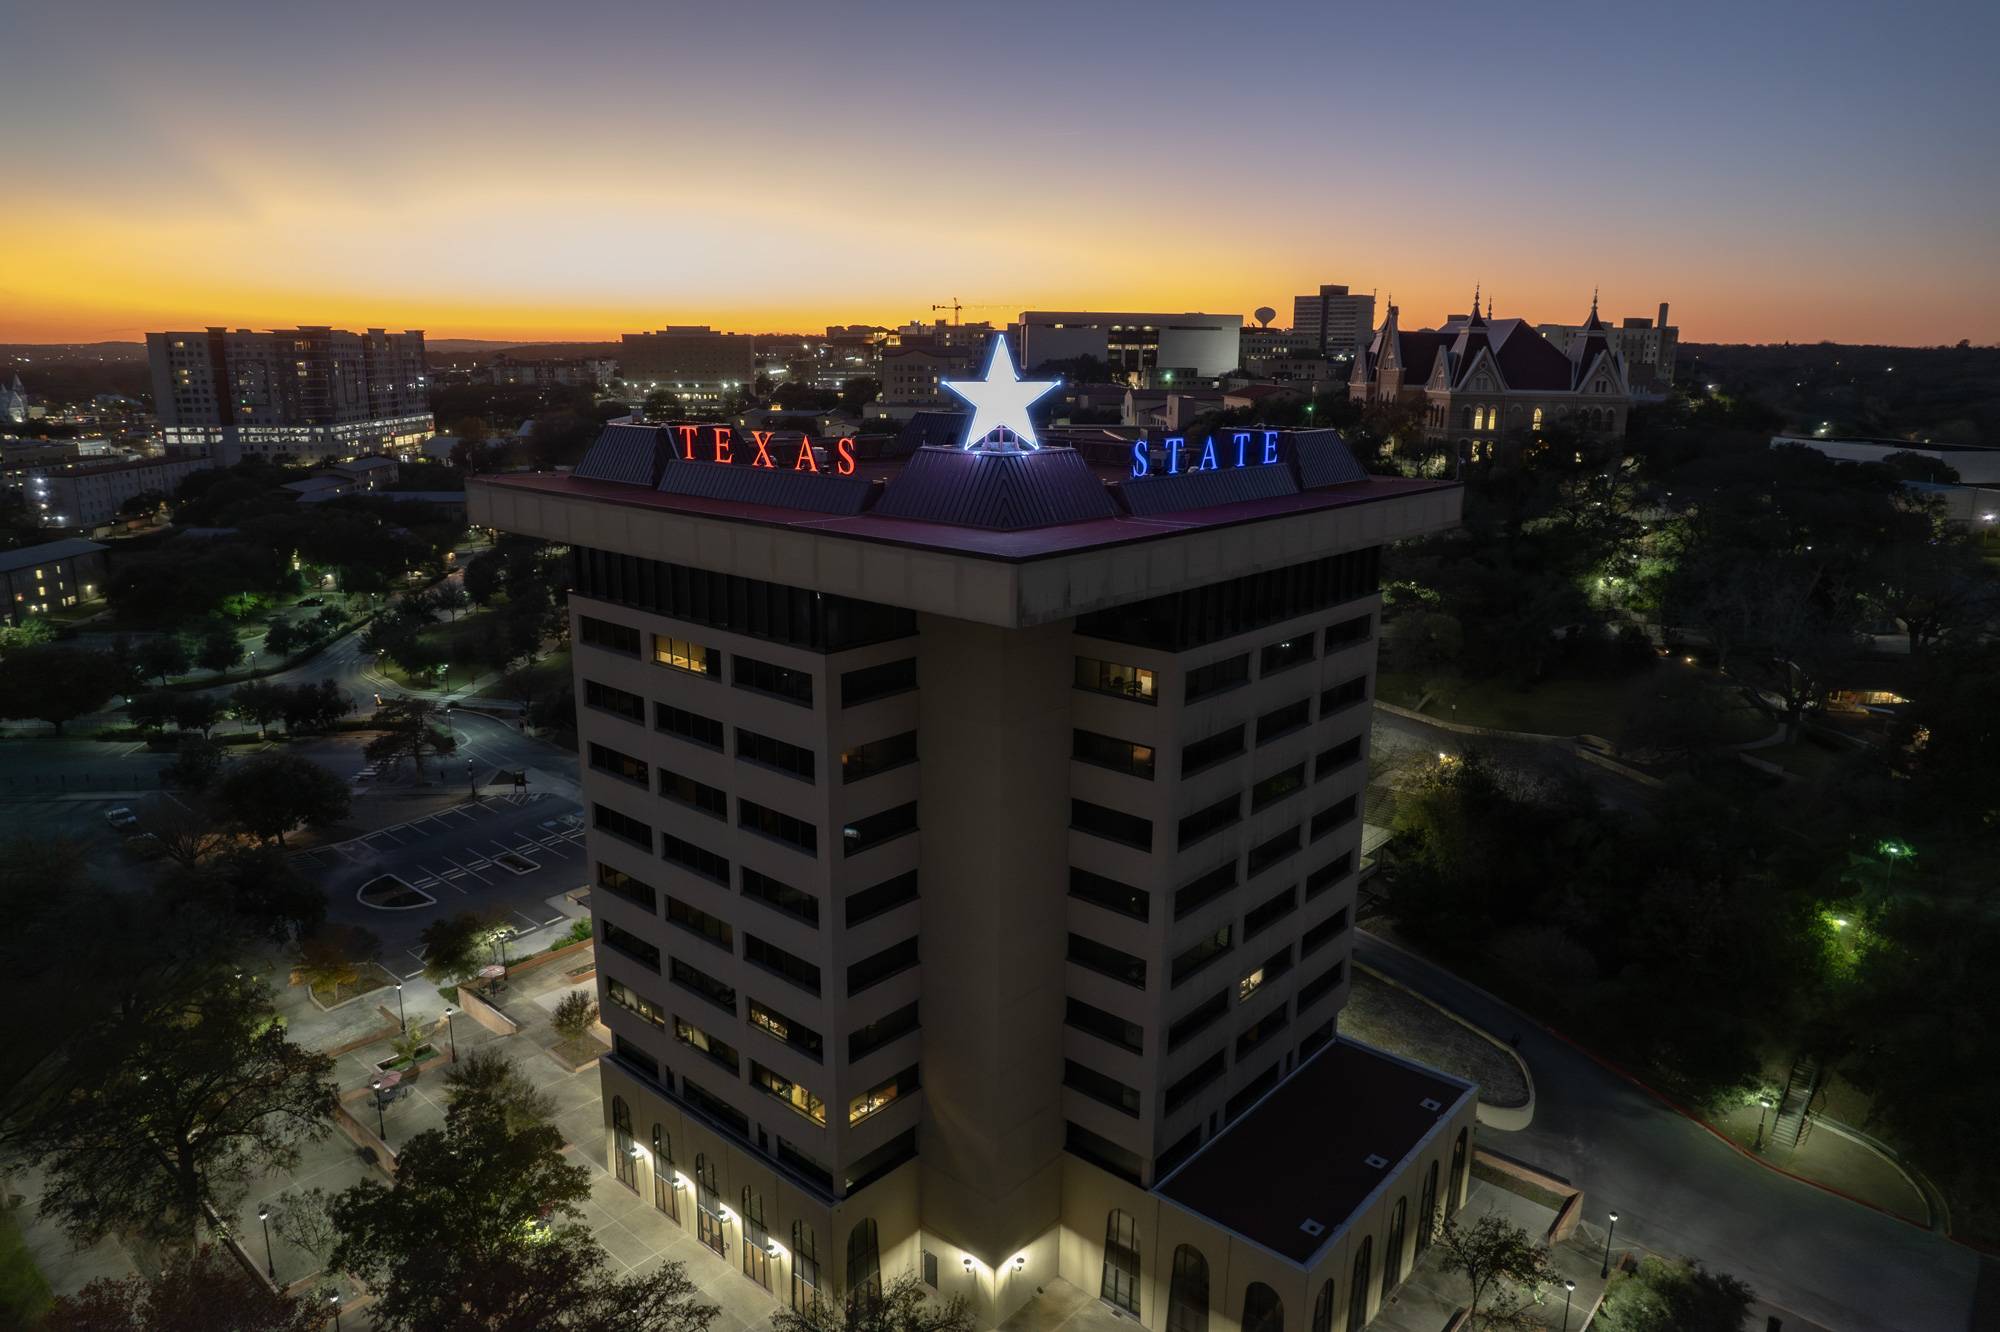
[1568, 1214]
[1505, 1118]
[484, 1013]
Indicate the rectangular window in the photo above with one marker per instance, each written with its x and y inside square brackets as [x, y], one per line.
[703, 984]
[1284, 654]
[1323, 933]
[1318, 987]
[607, 634]
[1196, 1019]
[1312, 1041]
[689, 726]
[1207, 822]
[685, 790]
[1269, 852]
[1277, 786]
[1329, 874]
[1225, 744]
[707, 928]
[620, 884]
[632, 1001]
[1110, 824]
[786, 966]
[1105, 1026]
[1283, 721]
[1348, 632]
[1205, 681]
[889, 1027]
[720, 1051]
[1333, 816]
[1262, 1030]
[881, 1096]
[628, 943]
[1269, 912]
[694, 859]
[622, 766]
[1343, 755]
[1101, 1152]
[683, 655]
[875, 829]
[781, 896]
[1107, 961]
[1116, 679]
[801, 1101]
[647, 1066]
[1344, 695]
[871, 902]
[790, 759]
[1106, 751]
[778, 826]
[622, 826]
[1108, 893]
[1181, 621]
[1099, 1087]
[779, 1027]
[1191, 961]
[717, 1109]
[778, 681]
[878, 967]
[864, 761]
[1272, 967]
[1184, 1089]
[614, 701]
[872, 682]
[1204, 890]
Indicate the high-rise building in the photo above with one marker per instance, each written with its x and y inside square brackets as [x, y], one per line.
[973, 842]
[1647, 347]
[694, 362]
[309, 393]
[1335, 322]
[1140, 348]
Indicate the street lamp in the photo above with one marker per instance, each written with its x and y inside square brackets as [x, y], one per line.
[334, 1300]
[471, 787]
[1763, 1109]
[450, 1034]
[1569, 1290]
[382, 1125]
[402, 1015]
[270, 1264]
[1894, 851]
[1612, 1230]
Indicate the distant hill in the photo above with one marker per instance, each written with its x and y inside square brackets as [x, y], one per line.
[72, 351]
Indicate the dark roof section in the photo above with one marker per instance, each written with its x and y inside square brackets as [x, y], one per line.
[1527, 360]
[1003, 492]
[632, 454]
[1159, 493]
[1420, 352]
[29, 556]
[926, 430]
[1348, 1103]
[1323, 459]
[812, 492]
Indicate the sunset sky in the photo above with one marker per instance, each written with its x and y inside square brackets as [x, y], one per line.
[575, 170]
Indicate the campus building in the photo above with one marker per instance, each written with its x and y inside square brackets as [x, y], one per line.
[1139, 348]
[1646, 346]
[49, 577]
[973, 839]
[1335, 321]
[698, 365]
[310, 394]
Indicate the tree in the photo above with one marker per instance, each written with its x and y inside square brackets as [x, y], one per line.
[32, 631]
[574, 1015]
[202, 1291]
[197, 760]
[312, 708]
[255, 886]
[219, 649]
[492, 1078]
[304, 1220]
[1504, 1266]
[185, 827]
[451, 599]
[198, 712]
[152, 711]
[1668, 1296]
[160, 657]
[336, 955]
[410, 731]
[55, 683]
[270, 794]
[905, 1305]
[454, 947]
[260, 702]
[189, 1091]
[280, 638]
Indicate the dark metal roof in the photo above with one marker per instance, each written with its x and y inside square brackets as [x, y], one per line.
[1323, 459]
[1159, 493]
[942, 429]
[632, 454]
[812, 492]
[1001, 491]
[29, 556]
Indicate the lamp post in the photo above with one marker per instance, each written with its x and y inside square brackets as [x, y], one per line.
[471, 787]
[402, 1015]
[1894, 851]
[334, 1300]
[382, 1125]
[1569, 1291]
[270, 1264]
[450, 1034]
[1763, 1109]
[1609, 1232]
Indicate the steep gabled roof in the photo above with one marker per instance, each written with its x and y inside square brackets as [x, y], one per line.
[1528, 361]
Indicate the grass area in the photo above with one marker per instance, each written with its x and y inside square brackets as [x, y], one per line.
[1567, 704]
[24, 1295]
[452, 638]
[545, 676]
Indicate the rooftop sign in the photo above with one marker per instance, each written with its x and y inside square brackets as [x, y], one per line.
[999, 421]
[1235, 448]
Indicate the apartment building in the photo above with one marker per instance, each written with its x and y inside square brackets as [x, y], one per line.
[1335, 321]
[973, 840]
[694, 362]
[1141, 348]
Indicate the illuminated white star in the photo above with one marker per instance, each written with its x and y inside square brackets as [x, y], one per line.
[1001, 399]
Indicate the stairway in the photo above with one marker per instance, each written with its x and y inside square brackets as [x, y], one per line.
[1793, 1106]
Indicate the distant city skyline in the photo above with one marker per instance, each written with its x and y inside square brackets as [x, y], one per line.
[1787, 172]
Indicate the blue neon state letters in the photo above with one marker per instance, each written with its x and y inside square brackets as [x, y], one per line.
[1239, 448]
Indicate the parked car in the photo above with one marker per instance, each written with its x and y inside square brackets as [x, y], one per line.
[121, 817]
[312, 601]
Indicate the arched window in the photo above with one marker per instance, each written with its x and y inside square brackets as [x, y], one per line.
[1392, 1252]
[805, 1267]
[708, 1226]
[1453, 1199]
[1357, 1290]
[1323, 1307]
[1538, 418]
[1427, 1208]
[1187, 1293]
[1120, 1283]
[864, 1260]
[665, 1197]
[623, 1164]
[1263, 1311]
[756, 1240]
[1465, 418]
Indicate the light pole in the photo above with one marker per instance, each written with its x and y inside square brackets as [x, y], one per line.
[471, 787]
[1894, 851]
[1609, 1232]
[402, 1016]
[270, 1264]
[334, 1300]
[1569, 1290]
[1763, 1109]
[450, 1034]
[382, 1125]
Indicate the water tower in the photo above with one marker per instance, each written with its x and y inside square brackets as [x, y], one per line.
[1264, 315]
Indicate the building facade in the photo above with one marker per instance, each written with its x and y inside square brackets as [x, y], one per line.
[90, 497]
[973, 856]
[694, 362]
[49, 577]
[1141, 348]
[913, 375]
[1480, 379]
[1335, 321]
[1646, 346]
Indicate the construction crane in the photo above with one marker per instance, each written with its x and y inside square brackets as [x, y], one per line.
[954, 307]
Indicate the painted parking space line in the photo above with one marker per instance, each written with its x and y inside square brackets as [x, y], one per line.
[472, 869]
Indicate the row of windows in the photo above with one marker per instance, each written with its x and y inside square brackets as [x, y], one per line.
[1180, 621]
[797, 617]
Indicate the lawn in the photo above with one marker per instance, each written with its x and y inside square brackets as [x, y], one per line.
[24, 1295]
[545, 677]
[1565, 704]
[454, 639]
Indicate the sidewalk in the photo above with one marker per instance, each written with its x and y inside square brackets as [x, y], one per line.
[1836, 1160]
